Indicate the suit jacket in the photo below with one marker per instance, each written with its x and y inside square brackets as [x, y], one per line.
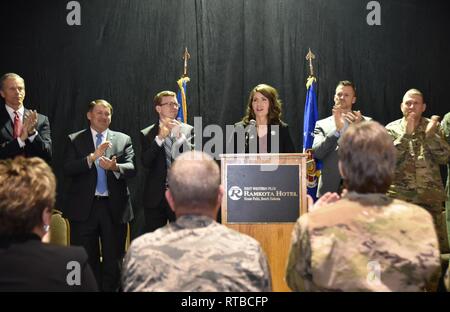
[27, 264]
[40, 147]
[78, 202]
[285, 141]
[154, 160]
[325, 147]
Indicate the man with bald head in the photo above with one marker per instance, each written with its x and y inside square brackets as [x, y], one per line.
[421, 148]
[22, 131]
[195, 253]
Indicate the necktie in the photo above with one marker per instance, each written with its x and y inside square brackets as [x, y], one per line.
[101, 174]
[168, 149]
[17, 125]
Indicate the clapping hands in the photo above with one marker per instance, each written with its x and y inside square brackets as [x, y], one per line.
[167, 126]
[29, 124]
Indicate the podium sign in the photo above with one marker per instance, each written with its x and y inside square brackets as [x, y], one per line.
[263, 195]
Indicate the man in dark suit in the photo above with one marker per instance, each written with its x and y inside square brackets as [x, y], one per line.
[327, 133]
[22, 131]
[161, 143]
[98, 161]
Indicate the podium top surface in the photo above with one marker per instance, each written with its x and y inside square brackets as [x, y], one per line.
[264, 155]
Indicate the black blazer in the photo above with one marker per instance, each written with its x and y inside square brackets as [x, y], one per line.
[154, 160]
[285, 141]
[81, 191]
[40, 147]
[27, 264]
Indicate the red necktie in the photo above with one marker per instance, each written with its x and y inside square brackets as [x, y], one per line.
[17, 125]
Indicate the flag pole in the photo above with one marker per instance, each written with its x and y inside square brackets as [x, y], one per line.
[310, 57]
[309, 120]
[186, 57]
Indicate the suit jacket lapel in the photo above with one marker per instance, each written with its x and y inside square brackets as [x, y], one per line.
[7, 124]
[153, 132]
[87, 142]
[110, 151]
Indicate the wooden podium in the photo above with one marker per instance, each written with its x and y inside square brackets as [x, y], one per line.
[264, 196]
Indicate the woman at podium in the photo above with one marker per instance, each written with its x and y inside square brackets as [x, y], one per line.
[261, 130]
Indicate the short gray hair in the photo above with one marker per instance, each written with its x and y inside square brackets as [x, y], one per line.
[414, 92]
[8, 76]
[194, 181]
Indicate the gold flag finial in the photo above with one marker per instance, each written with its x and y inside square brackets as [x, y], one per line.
[186, 57]
[310, 56]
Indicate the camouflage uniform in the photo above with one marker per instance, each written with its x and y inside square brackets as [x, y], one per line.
[195, 253]
[446, 128]
[364, 242]
[418, 177]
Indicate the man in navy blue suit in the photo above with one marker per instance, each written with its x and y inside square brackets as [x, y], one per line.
[99, 161]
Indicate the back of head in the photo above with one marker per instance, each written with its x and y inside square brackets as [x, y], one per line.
[194, 183]
[367, 158]
[27, 188]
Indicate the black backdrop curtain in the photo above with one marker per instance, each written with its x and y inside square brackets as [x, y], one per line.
[125, 51]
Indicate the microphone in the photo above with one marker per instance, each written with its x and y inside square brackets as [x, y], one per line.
[251, 125]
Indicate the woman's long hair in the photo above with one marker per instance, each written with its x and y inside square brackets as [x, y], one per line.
[271, 93]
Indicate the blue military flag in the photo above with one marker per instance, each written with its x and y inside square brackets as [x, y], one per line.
[309, 122]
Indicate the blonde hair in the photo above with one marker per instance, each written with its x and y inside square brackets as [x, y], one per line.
[27, 188]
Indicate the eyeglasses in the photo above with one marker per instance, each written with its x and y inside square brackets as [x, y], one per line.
[171, 103]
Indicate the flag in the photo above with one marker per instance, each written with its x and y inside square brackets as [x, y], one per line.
[309, 122]
[181, 97]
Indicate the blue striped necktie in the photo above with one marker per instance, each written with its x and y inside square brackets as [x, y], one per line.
[101, 174]
[168, 149]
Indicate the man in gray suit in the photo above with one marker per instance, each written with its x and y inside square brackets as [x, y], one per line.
[161, 143]
[327, 133]
[98, 162]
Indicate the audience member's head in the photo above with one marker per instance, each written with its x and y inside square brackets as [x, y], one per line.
[194, 185]
[367, 158]
[27, 196]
